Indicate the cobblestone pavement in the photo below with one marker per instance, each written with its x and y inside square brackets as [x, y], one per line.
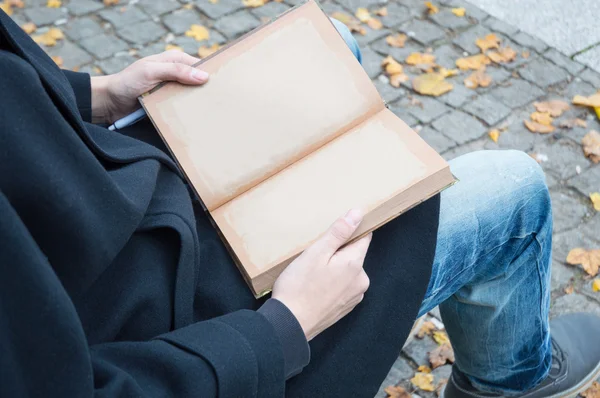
[102, 39]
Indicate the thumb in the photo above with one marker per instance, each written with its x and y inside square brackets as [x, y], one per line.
[339, 233]
[166, 71]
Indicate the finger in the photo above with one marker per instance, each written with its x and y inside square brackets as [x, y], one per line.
[165, 71]
[175, 56]
[338, 234]
[354, 254]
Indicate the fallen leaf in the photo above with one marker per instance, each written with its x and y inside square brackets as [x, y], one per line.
[542, 118]
[382, 12]
[16, 3]
[397, 40]
[440, 386]
[591, 146]
[494, 135]
[595, 198]
[555, 107]
[49, 38]
[189, 6]
[391, 66]
[343, 17]
[111, 2]
[588, 259]
[441, 355]
[525, 54]
[397, 79]
[596, 285]
[58, 60]
[459, 11]
[374, 24]
[487, 42]
[592, 392]
[536, 127]
[6, 7]
[423, 381]
[205, 51]
[356, 27]
[97, 70]
[213, 1]
[478, 79]
[447, 72]
[53, 4]
[431, 8]
[170, 47]
[198, 32]
[424, 369]
[441, 337]
[591, 101]
[569, 289]
[29, 28]
[426, 328]
[420, 59]
[431, 84]
[502, 55]
[570, 123]
[473, 62]
[397, 392]
[363, 15]
[254, 3]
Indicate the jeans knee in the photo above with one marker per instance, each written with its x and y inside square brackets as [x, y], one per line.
[348, 38]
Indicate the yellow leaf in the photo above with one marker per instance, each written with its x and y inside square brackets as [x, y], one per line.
[170, 47]
[420, 59]
[53, 4]
[29, 28]
[111, 2]
[382, 12]
[591, 146]
[536, 127]
[433, 9]
[423, 381]
[473, 62]
[489, 41]
[97, 70]
[16, 3]
[595, 198]
[363, 15]
[447, 72]
[397, 392]
[6, 7]
[588, 259]
[542, 118]
[426, 328]
[555, 107]
[397, 79]
[569, 289]
[394, 66]
[198, 32]
[424, 369]
[591, 101]
[441, 355]
[343, 17]
[592, 392]
[213, 1]
[440, 337]
[478, 79]
[254, 3]
[597, 110]
[205, 51]
[459, 12]
[431, 84]
[596, 285]
[58, 60]
[49, 38]
[494, 135]
[374, 24]
[396, 40]
[502, 55]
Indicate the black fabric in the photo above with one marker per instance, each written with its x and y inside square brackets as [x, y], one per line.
[113, 282]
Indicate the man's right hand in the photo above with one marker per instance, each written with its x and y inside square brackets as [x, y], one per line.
[325, 282]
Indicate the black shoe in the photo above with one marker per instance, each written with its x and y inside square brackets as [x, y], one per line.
[575, 362]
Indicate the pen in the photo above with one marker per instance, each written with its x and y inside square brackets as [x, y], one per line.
[128, 120]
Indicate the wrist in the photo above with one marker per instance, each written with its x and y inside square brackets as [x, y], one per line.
[100, 99]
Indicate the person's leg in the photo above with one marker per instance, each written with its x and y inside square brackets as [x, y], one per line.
[491, 273]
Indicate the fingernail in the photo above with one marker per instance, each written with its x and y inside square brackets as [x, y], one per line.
[354, 217]
[199, 75]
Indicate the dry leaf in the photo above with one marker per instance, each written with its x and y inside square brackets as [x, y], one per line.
[555, 107]
[478, 79]
[16, 3]
[382, 12]
[58, 60]
[53, 4]
[363, 15]
[254, 3]
[29, 28]
[397, 79]
[426, 329]
[459, 12]
[570, 123]
[569, 289]
[489, 41]
[423, 381]
[396, 40]
[420, 59]
[6, 7]
[198, 32]
[424, 369]
[397, 392]
[343, 17]
[536, 127]
[441, 355]
[441, 337]
[591, 146]
[473, 62]
[374, 24]
[432, 9]
[440, 387]
[391, 66]
[431, 84]
[502, 55]
[111, 2]
[588, 259]
[205, 51]
[525, 54]
[592, 392]
[596, 285]
[50, 37]
[595, 198]
[494, 135]
[591, 101]
[216, 1]
[170, 47]
[542, 118]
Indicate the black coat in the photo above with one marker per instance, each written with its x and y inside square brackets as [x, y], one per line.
[111, 285]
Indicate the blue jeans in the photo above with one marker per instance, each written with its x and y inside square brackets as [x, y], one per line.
[491, 272]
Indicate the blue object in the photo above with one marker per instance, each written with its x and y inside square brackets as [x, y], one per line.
[128, 120]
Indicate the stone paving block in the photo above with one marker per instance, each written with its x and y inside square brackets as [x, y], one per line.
[157, 48]
[499, 26]
[331, 8]
[472, 11]
[574, 302]
[517, 94]
[576, 87]
[527, 40]
[446, 56]
[221, 8]
[191, 46]
[296, 2]
[587, 182]
[370, 36]
[564, 156]
[401, 370]
[399, 54]
[450, 21]
[371, 62]
[416, 8]
[403, 114]
[81, 7]
[563, 61]
[543, 73]
[466, 40]
[516, 135]
[91, 70]
[418, 350]
[590, 57]
[397, 14]
[270, 10]
[459, 126]
[498, 74]
[235, 25]
[488, 109]
[81, 28]
[568, 210]
[564, 242]
[352, 5]
[116, 64]
[459, 94]
[591, 77]
[158, 7]
[440, 373]
[72, 55]
[104, 45]
[119, 18]
[560, 275]
[460, 150]
[180, 21]
[426, 109]
[424, 32]
[590, 229]
[387, 91]
[142, 33]
[437, 140]
[44, 16]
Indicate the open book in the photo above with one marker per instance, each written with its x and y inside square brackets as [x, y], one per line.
[289, 134]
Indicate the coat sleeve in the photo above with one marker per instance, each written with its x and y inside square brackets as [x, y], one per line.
[82, 87]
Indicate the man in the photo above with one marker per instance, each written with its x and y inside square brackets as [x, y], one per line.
[114, 283]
